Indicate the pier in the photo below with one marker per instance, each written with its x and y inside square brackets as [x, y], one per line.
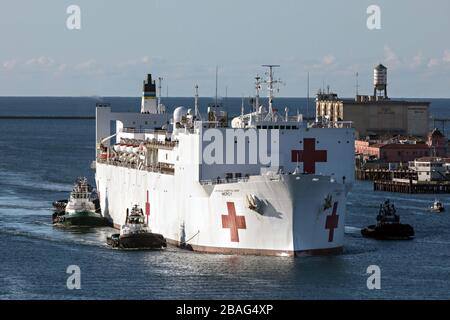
[46, 117]
[412, 186]
[384, 174]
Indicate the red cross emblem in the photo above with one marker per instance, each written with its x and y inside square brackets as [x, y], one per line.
[309, 155]
[332, 222]
[233, 222]
[147, 208]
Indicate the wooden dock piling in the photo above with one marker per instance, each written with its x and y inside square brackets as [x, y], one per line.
[384, 174]
[412, 187]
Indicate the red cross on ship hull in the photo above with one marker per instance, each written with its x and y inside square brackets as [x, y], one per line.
[332, 222]
[147, 208]
[309, 155]
[233, 222]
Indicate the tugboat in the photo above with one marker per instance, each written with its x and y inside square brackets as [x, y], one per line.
[388, 225]
[135, 233]
[437, 207]
[82, 208]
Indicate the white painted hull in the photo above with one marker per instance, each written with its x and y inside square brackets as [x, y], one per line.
[293, 219]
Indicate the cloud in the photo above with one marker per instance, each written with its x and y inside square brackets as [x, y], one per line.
[10, 64]
[433, 62]
[328, 59]
[390, 57]
[62, 67]
[417, 60]
[126, 64]
[446, 57]
[40, 61]
[89, 64]
[144, 61]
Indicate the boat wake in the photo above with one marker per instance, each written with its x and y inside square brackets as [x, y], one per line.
[13, 180]
[59, 238]
[352, 230]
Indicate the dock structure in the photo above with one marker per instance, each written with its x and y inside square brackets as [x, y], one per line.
[31, 117]
[384, 174]
[412, 186]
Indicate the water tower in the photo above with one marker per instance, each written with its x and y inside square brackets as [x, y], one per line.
[380, 81]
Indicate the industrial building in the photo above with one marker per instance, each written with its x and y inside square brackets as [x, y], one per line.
[376, 114]
[430, 168]
[403, 150]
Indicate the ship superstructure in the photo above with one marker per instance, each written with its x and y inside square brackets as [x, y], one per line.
[265, 182]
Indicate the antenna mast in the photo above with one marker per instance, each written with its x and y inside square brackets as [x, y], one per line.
[217, 83]
[357, 84]
[270, 85]
[307, 97]
[226, 97]
[258, 87]
[196, 113]
[160, 79]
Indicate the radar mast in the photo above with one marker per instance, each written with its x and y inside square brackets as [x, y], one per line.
[270, 87]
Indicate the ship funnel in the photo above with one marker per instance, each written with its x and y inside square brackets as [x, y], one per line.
[149, 102]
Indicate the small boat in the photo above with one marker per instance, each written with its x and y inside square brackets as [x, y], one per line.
[437, 206]
[388, 226]
[135, 233]
[82, 209]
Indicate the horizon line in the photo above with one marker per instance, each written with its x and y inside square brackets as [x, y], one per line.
[192, 97]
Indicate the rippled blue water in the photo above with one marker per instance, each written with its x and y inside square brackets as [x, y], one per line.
[39, 161]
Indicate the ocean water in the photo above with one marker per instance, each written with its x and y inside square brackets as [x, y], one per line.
[41, 158]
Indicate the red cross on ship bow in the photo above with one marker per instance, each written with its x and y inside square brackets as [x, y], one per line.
[233, 222]
[309, 155]
[332, 222]
[147, 208]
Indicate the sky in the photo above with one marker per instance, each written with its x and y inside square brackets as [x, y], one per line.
[183, 41]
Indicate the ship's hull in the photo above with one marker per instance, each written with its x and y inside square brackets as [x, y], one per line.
[300, 214]
[389, 232]
[152, 241]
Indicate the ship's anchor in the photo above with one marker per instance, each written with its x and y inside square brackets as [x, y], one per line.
[327, 202]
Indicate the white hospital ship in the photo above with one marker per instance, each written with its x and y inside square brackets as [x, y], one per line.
[264, 183]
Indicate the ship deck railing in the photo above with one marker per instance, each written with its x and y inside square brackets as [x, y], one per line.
[154, 143]
[223, 181]
[161, 145]
[264, 118]
[206, 124]
[331, 124]
[159, 168]
[134, 130]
